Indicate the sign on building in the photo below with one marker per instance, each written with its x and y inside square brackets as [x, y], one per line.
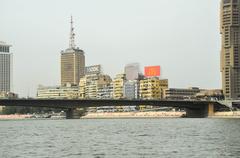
[95, 69]
[152, 71]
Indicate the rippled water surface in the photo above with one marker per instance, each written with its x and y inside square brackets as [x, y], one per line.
[213, 138]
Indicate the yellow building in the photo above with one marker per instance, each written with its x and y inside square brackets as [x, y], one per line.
[152, 88]
[163, 87]
[82, 87]
[118, 84]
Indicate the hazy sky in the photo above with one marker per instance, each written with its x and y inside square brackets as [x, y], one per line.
[180, 35]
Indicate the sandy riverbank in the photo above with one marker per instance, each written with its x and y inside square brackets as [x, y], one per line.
[234, 114]
[229, 114]
[134, 115]
[14, 117]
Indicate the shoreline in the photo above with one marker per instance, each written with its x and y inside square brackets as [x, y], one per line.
[14, 117]
[113, 115]
[229, 114]
[129, 115]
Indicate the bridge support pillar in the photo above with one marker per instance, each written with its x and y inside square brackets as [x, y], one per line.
[195, 113]
[73, 113]
[210, 111]
[201, 112]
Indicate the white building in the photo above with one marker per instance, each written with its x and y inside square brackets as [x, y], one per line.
[131, 89]
[58, 92]
[5, 67]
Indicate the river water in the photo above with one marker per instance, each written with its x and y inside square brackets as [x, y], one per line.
[113, 138]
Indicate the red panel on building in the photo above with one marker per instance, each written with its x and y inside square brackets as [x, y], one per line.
[152, 71]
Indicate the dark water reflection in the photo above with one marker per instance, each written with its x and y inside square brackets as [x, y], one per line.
[213, 138]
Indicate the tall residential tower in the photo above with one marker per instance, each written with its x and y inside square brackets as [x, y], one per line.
[230, 53]
[72, 62]
[5, 67]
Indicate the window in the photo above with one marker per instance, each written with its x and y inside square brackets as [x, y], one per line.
[226, 1]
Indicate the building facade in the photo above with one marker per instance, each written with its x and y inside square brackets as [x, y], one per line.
[230, 53]
[131, 89]
[105, 91]
[152, 88]
[118, 84]
[72, 66]
[5, 67]
[58, 92]
[94, 82]
[82, 87]
[72, 62]
[210, 94]
[163, 86]
[181, 93]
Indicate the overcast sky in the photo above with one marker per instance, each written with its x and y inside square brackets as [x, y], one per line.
[180, 35]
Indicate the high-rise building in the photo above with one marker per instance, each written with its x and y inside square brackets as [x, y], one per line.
[72, 62]
[5, 67]
[132, 71]
[230, 53]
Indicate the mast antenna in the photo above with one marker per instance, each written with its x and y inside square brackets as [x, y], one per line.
[72, 35]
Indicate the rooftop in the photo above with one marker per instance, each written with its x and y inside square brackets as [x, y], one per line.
[4, 44]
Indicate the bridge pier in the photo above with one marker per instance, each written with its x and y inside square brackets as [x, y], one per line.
[201, 112]
[211, 109]
[73, 113]
[195, 113]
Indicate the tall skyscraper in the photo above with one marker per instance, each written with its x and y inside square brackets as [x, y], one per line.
[72, 62]
[5, 67]
[230, 53]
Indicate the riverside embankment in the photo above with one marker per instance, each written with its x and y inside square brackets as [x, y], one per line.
[14, 117]
[228, 114]
[134, 115]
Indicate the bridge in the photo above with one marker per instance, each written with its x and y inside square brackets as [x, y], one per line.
[194, 109]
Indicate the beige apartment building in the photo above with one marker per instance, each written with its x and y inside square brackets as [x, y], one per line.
[230, 53]
[94, 82]
[118, 85]
[82, 87]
